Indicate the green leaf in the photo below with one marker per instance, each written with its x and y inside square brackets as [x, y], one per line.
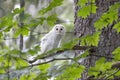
[82, 2]
[117, 27]
[7, 63]
[118, 73]
[17, 33]
[28, 76]
[44, 67]
[108, 17]
[1, 34]
[17, 10]
[72, 72]
[34, 50]
[2, 67]
[92, 71]
[97, 68]
[100, 61]
[114, 7]
[87, 10]
[108, 65]
[91, 40]
[53, 4]
[2, 71]
[20, 64]
[41, 20]
[22, 31]
[42, 76]
[7, 28]
[6, 21]
[52, 19]
[116, 53]
[36, 22]
[100, 65]
[99, 24]
[93, 1]
[71, 44]
[14, 51]
[93, 8]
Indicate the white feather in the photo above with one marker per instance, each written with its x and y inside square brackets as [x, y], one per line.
[53, 38]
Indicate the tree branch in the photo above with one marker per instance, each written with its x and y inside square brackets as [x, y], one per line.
[111, 74]
[54, 59]
[61, 51]
[21, 24]
[92, 50]
[116, 65]
[41, 63]
[98, 55]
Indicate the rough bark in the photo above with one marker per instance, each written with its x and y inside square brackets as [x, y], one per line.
[21, 24]
[109, 38]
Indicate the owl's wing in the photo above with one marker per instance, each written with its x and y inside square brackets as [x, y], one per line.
[44, 39]
[44, 43]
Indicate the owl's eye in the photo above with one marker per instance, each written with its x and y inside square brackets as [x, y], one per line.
[61, 29]
[56, 28]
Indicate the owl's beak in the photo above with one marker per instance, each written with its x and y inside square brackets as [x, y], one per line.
[59, 31]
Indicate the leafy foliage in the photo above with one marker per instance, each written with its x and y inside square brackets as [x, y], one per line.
[91, 40]
[100, 66]
[43, 74]
[70, 44]
[108, 17]
[72, 72]
[22, 31]
[53, 4]
[116, 53]
[86, 10]
[6, 22]
[117, 27]
[28, 77]
[51, 19]
[14, 59]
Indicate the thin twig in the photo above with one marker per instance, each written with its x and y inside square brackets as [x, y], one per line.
[21, 24]
[61, 51]
[98, 55]
[55, 59]
[111, 74]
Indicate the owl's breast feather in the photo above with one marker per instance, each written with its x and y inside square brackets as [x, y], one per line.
[56, 40]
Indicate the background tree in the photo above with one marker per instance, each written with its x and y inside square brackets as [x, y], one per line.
[32, 20]
[91, 51]
[94, 16]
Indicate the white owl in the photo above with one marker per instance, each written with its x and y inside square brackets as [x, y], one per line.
[53, 38]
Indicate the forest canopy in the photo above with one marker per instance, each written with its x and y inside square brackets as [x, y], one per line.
[90, 49]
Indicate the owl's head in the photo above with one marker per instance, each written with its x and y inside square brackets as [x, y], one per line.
[59, 29]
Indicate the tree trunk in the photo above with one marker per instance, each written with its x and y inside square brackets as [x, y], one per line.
[109, 38]
[21, 24]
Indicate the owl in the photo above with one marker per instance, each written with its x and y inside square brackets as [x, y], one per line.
[53, 38]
